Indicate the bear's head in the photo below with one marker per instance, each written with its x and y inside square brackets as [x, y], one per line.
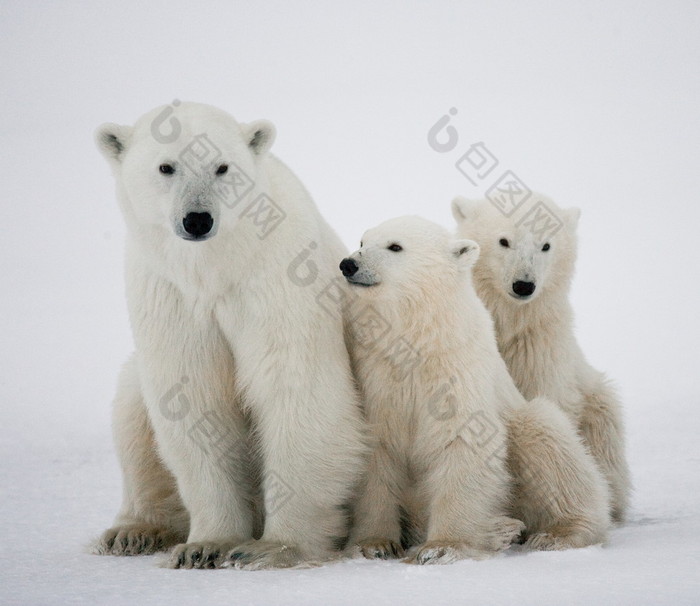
[182, 168]
[523, 253]
[409, 258]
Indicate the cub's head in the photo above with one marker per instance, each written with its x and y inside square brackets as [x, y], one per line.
[406, 257]
[522, 255]
[183, 167]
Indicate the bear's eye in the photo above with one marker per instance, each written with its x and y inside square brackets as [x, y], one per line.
[166, 169]
[222, 170]
[546, 247]
[394, 247]
[504, 243]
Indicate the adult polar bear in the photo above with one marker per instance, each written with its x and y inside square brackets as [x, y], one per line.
[237, 368]
[523, 277]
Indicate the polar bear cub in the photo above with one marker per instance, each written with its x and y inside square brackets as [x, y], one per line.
[523, 276]
[429, 395]
[237, 420]
[457, 450]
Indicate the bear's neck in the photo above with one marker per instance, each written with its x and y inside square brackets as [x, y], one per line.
[440, 321]
[532, 337]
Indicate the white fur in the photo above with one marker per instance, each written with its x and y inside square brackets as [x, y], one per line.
[535, 335]
[425, 408]
[457, 447]
[264, 408]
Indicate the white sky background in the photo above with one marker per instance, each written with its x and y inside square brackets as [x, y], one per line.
[593, 103]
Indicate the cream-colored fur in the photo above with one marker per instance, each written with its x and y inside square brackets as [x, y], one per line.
[239, 403]
[535, 334]
[152, 517]
[448, 422]
[560, 494]
[424, 381]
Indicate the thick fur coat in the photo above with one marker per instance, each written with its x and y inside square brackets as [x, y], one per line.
[457, 450]
[237, 421]
[523, 276]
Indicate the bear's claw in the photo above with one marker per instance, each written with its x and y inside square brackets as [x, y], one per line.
[135, 539]
[259, 555]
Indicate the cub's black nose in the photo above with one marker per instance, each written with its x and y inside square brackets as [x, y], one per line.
[523, 289]
[348, 267]
[198, 224]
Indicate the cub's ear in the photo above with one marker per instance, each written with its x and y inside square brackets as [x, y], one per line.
[466, 252]
[571, 217]
[112, 140]
[260, 136]
[464, 209]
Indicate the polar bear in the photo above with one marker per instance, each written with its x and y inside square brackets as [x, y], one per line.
[449, 425]
[237, 420]
[523, 277]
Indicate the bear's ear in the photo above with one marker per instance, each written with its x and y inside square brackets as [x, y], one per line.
[112, 139]
[260, 136]
[571, 217]
[464, 209]
[466, 252]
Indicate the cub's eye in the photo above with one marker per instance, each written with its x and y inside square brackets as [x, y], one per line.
[546, 247]
[394, 247]
[504, 243]
[222, 170]
[166, 169]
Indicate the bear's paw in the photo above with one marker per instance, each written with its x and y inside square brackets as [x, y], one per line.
[135, 539]
[206, 554]
[380, 549]
[261, 555]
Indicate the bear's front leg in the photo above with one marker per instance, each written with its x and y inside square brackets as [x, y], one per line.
[307, 420]
[376, 530]
[601, 426]
[210, 456]
[188, 381]
[468, 495]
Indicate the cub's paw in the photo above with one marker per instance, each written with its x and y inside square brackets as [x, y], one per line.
[545, 541]
[379, 549]
[502, 534]
[260, 555]
[562, 538]
[444, 552]
[135, 539]
[197, 555]
[618, 514]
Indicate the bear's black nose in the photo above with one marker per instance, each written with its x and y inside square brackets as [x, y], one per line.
[523, 289]
[348, 267]
[198, 224]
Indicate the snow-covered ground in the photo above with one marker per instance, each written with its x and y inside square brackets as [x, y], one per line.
[593, 103]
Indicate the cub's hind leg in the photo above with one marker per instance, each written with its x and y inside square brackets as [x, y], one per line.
[560, 494]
